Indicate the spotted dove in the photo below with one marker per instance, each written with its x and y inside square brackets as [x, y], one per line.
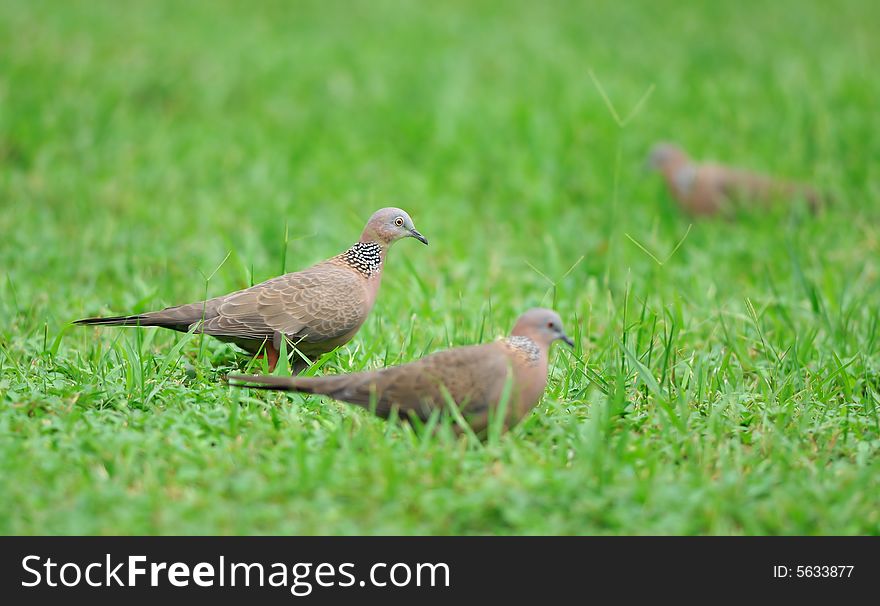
[707, 189]
[477, 377]
[316, 309]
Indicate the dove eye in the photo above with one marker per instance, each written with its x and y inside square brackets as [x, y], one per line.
[549, 324]
[399, 221]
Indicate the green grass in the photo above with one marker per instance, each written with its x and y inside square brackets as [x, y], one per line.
[732, 387]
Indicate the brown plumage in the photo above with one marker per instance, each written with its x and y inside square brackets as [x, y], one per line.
[707, 189]
[476, 377]
[316, 309]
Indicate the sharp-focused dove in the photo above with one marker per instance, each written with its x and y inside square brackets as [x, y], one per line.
[707, 189]
[316, 309]
[477, 378]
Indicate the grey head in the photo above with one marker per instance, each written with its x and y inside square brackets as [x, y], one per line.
[388, 225]
[543, 326]
[666, 156]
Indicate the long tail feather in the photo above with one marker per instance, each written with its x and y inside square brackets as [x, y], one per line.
[265, 382]
[115, 321]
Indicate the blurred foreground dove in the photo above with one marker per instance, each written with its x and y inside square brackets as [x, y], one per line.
[316, 309]
[707, 189]
[478, 378]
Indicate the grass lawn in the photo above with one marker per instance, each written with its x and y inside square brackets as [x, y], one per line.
[726, 378]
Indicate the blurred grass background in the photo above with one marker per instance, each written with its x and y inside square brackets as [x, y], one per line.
[732, 388]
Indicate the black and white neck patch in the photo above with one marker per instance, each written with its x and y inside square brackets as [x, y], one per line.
[365, 257]
[526, 346]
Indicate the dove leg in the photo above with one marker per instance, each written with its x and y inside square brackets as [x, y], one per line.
[271, 356]
[268, 352]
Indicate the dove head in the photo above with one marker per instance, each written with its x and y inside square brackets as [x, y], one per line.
[388, 225]
[666, 157]
[543, 326]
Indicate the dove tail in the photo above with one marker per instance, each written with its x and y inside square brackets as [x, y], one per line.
[264, 382]
[136, 320]
[162, 319]
[332, 386]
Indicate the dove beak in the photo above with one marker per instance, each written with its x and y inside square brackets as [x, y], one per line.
[415, 234]
[567, 340]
